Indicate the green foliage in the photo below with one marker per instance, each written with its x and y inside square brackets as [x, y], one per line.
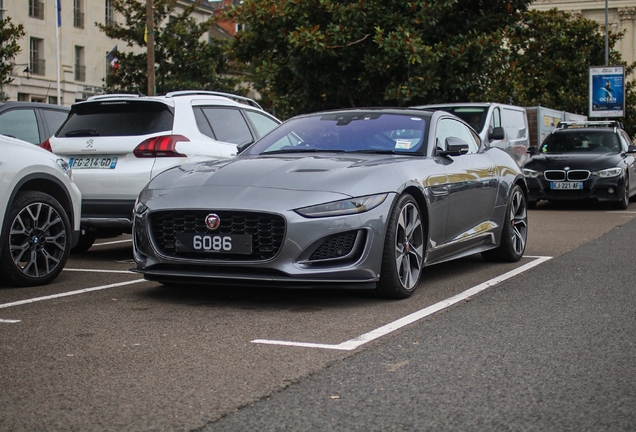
[549, 56]
[183, 60]
[309, 55]
[9, 47]
[319, 54]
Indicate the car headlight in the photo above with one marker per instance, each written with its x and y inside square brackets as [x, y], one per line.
[530, 173]
[610, 172]
[139, 208]
[343, 207]
[65, 167]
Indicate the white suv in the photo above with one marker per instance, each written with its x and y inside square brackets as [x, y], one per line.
[117, 143]
[40, 211]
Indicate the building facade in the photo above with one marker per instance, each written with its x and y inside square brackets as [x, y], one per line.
[71, 51]
[621, 17]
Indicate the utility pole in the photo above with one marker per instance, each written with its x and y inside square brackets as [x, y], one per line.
[150, 47]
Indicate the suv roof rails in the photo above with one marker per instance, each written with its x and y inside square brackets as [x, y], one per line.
[112, 95]
[234, 97]
[597, 123]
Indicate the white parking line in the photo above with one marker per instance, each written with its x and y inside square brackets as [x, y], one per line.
[112, 242]
[352, 344]
[70, 293]
[99, 271]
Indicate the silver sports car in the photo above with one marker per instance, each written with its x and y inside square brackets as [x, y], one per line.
[362, 198]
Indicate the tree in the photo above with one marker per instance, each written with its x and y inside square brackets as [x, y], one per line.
[549, 56]
[9, 47]
[183, 60]
[317, 54]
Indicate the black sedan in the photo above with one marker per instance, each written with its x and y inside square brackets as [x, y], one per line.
[591, 161]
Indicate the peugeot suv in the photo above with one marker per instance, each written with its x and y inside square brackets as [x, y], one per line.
[117, 143]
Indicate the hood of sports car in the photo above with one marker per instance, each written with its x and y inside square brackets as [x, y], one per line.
[273, 182]
[324, 172]
[588, 161]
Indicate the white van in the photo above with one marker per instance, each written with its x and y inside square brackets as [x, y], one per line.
[498, 125]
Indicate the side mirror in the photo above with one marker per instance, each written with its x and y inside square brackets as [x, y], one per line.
[241, 147]
[532, 150]
[631, 149]
[454, 147]
[497, 133]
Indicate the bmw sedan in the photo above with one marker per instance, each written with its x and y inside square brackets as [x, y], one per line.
[586, 161]
[361, 198]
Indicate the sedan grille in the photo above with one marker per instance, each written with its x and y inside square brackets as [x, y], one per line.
[267, 231]
[562, 175]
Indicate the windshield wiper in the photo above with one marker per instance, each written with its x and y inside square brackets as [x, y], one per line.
[81, 132]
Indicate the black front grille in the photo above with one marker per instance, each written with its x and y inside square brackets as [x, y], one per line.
[267, 231]
[562, 175]
[578, 175]
[554, 175]
[336, 247]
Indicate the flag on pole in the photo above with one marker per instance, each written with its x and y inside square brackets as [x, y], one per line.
[59, 13]
[112, 59]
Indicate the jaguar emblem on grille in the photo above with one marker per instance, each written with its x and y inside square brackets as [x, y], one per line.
[212, 221]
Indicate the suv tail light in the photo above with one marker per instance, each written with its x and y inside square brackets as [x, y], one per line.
[46, 145]
[160, 146]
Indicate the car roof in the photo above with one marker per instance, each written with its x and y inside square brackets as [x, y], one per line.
[10, 105]
[168, 98]
[456, 104]
[383, 110]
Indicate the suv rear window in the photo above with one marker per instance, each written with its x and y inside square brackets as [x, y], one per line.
[117, 118]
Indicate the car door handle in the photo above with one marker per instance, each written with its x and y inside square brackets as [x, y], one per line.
[439, 190]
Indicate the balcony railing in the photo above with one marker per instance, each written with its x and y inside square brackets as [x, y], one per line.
[37, 67]
[36, 9]
[78, 18]
[80, 73]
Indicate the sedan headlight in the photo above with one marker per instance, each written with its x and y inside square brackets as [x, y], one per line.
[65, 167]
[610, 172]
[139, 208]
[343, 207]
[530, 173]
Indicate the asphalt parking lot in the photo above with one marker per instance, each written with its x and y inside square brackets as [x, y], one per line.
[102, 349]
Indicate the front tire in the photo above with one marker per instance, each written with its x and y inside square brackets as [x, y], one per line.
[515, 231]
[36, 241]
[403, 255]
[624, 202]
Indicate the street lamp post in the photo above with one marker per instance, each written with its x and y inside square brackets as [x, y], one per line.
[150, 47]
[606, 34]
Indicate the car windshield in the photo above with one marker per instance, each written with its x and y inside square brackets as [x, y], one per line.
[474, 116]
[581, 142]
[346, 132]
[117, 118]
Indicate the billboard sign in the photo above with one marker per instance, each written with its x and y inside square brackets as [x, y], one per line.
[607, 91]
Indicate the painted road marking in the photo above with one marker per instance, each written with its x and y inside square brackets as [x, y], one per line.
[112, 242]
[99, 271]
[69, 293]
[352, 344]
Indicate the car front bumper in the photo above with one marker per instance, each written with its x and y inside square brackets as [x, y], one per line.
[594, 189]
